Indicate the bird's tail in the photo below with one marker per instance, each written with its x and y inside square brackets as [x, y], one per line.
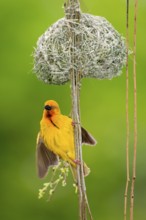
[86, 171]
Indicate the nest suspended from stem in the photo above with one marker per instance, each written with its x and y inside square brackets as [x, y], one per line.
[101, 53]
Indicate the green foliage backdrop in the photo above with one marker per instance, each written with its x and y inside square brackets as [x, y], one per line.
[102, 113]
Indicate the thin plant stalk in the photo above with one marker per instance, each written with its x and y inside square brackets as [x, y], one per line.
[127, 114]
[135, 115]
[71, 13]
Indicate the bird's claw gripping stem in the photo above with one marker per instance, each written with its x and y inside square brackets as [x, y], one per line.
[74, 123]
[78, 162]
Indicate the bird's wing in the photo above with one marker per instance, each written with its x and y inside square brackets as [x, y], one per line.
[87, 138]
[44, 157]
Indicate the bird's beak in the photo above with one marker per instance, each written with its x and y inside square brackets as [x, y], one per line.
[47, 107]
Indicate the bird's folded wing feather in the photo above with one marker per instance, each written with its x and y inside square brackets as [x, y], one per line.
[87, 138]
[44, 157]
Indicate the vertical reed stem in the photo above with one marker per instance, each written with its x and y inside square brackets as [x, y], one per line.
[127, 114]
[72, 11]
[135, 114]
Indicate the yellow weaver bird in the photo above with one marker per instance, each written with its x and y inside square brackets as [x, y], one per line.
[56, 139]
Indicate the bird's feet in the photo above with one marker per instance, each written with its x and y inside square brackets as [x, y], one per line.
[78, 162]
[74, 123]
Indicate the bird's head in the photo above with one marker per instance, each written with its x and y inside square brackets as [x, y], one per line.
[51, 108]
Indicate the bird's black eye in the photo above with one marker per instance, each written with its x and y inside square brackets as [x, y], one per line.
[47, 107]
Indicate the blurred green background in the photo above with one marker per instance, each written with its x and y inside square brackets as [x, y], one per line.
[102, 112]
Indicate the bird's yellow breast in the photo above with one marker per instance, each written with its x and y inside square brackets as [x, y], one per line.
[58, 136]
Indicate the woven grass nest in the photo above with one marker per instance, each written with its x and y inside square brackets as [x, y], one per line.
[101, 53]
